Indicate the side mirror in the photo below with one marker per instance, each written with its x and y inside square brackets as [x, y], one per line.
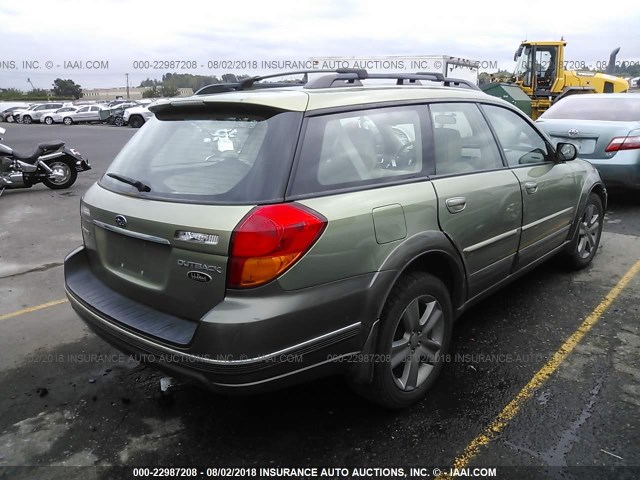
[566, 151]
[518, 53]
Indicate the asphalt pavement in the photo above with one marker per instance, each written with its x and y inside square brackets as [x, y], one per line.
[542, 376]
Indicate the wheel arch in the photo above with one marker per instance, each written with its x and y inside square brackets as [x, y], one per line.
[597, 187]
[431, 252]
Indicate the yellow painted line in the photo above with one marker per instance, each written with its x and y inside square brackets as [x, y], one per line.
[542, 375]
[53, 303]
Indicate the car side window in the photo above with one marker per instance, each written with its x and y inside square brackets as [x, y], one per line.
[359, 148]
[520, 142]
[463, 141]
[83, 109]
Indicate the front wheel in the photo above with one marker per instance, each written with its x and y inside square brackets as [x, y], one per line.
[67, 121]
[27, 119]
[64, 175]
[415, 332]
[587, 237]
[118, 121]
[48, 121]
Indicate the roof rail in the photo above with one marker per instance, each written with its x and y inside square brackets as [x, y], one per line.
[338, 78]
[355, 77]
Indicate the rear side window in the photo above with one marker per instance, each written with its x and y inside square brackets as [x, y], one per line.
[212, 157]
[359, 148]
[462, 139]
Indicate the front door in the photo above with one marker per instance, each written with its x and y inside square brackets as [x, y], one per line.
[550, 189]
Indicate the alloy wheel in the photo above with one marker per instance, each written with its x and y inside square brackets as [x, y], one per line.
[417, 342]
[588, 231]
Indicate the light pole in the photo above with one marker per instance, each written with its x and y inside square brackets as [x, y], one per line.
[29, 81]
[128, 98]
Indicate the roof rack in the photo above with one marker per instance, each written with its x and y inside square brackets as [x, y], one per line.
[337, 78]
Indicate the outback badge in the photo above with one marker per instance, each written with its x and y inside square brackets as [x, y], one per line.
[199, 276]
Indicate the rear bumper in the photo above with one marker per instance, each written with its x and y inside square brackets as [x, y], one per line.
[622, 170]
[251, 341]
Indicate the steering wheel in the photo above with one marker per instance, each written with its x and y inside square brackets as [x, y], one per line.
[405, 155]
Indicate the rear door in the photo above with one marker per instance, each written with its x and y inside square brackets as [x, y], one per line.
[479, 199]
[550, 190]
[94, 114]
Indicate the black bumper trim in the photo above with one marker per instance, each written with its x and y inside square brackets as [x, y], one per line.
[96, 296]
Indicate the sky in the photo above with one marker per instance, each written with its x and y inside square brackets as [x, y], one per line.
[119, 37]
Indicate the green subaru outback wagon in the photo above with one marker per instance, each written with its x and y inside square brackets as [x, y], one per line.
[259, 237]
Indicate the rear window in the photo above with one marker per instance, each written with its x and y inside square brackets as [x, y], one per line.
[210, 157]
[587, 107]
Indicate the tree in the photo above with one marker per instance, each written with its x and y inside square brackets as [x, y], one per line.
[152, 92]
[66, 88]
[229, 78]
[38, 94]
[10, 94]
[149, 83]
[169, 91]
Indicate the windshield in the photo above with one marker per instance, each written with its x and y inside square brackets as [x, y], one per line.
[591, 107]
[522, 61]
[210, 158]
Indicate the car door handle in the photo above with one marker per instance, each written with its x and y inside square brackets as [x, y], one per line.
[531, 187]
[456, 204]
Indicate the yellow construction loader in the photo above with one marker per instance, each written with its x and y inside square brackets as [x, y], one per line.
[542, 77]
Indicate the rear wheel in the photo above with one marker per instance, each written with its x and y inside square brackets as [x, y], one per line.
[64, 175]
[67, 121]
[48, 120]
[136, 121]
[415, 333]
[587, 237]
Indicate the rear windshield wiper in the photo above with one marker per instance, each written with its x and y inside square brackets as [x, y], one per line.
[142, 187]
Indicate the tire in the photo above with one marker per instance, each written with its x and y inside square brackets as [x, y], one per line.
[586, 240]
[48, 121]
[410, 358]
[118, 121]
[27, 119]
[136, 121]
[70, 174]
[67, 121]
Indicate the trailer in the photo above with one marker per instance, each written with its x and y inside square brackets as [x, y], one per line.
[454, 67]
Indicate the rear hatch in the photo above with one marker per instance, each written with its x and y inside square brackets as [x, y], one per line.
[591, 137]
[196, 173]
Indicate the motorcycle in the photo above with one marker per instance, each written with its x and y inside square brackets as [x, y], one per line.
[50, 163]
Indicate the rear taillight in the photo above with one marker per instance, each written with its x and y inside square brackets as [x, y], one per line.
[269, 240]
[623, 143]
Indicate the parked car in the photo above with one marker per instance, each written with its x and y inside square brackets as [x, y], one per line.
[114, 115]
[35, 113]
[136, 116]
[57, 115]
[7, 114]
[334, 230]
[88, 113]
[606, 130]
[18, 112]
